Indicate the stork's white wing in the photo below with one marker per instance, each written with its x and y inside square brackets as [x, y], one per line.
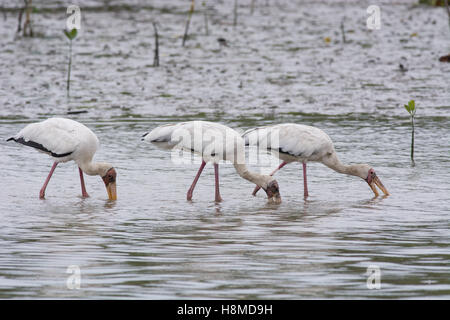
[205, 138]
[293, 139]
[55, 136]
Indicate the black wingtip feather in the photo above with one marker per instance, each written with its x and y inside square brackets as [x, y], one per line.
[39, 146]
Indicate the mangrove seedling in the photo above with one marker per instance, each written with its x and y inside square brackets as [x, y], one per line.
[27, 30]
[156, 55]
[70, 35]
[235, 13]
[205, 15]
[448, 11]
[186, 29]
[411, 108]
[343, 32]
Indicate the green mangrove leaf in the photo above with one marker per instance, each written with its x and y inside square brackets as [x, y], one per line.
[411, 107]
[71, 34]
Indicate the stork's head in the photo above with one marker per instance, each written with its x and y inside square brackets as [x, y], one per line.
[364, 171]
[109, 177]
[272, 190]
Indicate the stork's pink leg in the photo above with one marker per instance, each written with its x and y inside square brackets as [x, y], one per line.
[305, 182]
[255, 191]
[218, 198]
[83, 187]
[42, 192]
[191, 189]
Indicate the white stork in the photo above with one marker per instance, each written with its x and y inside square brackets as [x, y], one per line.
[65, 140]
[213, 142]
[300, 143]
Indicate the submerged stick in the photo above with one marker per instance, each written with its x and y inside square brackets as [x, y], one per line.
[191, 10]
[156, 56]
[205, 14]
[27, 24]
[343, 32]
[19, 26]
[235, 13]
[448, 11]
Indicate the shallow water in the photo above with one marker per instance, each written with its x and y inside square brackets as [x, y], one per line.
[151, 243]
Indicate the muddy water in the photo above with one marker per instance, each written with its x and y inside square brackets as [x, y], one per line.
[277, 67]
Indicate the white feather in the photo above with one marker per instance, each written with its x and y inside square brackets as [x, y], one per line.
[62, 136]
[212, 141]
[294, 141]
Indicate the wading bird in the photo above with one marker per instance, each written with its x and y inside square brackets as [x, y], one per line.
[300, 143]
[65, 140]
[213, 142]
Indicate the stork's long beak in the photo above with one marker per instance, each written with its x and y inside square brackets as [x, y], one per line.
[273, 197]
[111, 189]
[377, 182]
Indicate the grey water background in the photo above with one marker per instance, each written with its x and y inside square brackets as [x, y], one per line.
[152, 243]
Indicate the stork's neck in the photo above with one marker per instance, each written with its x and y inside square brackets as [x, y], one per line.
[258, 179]
[334, 163]
[94, 168]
